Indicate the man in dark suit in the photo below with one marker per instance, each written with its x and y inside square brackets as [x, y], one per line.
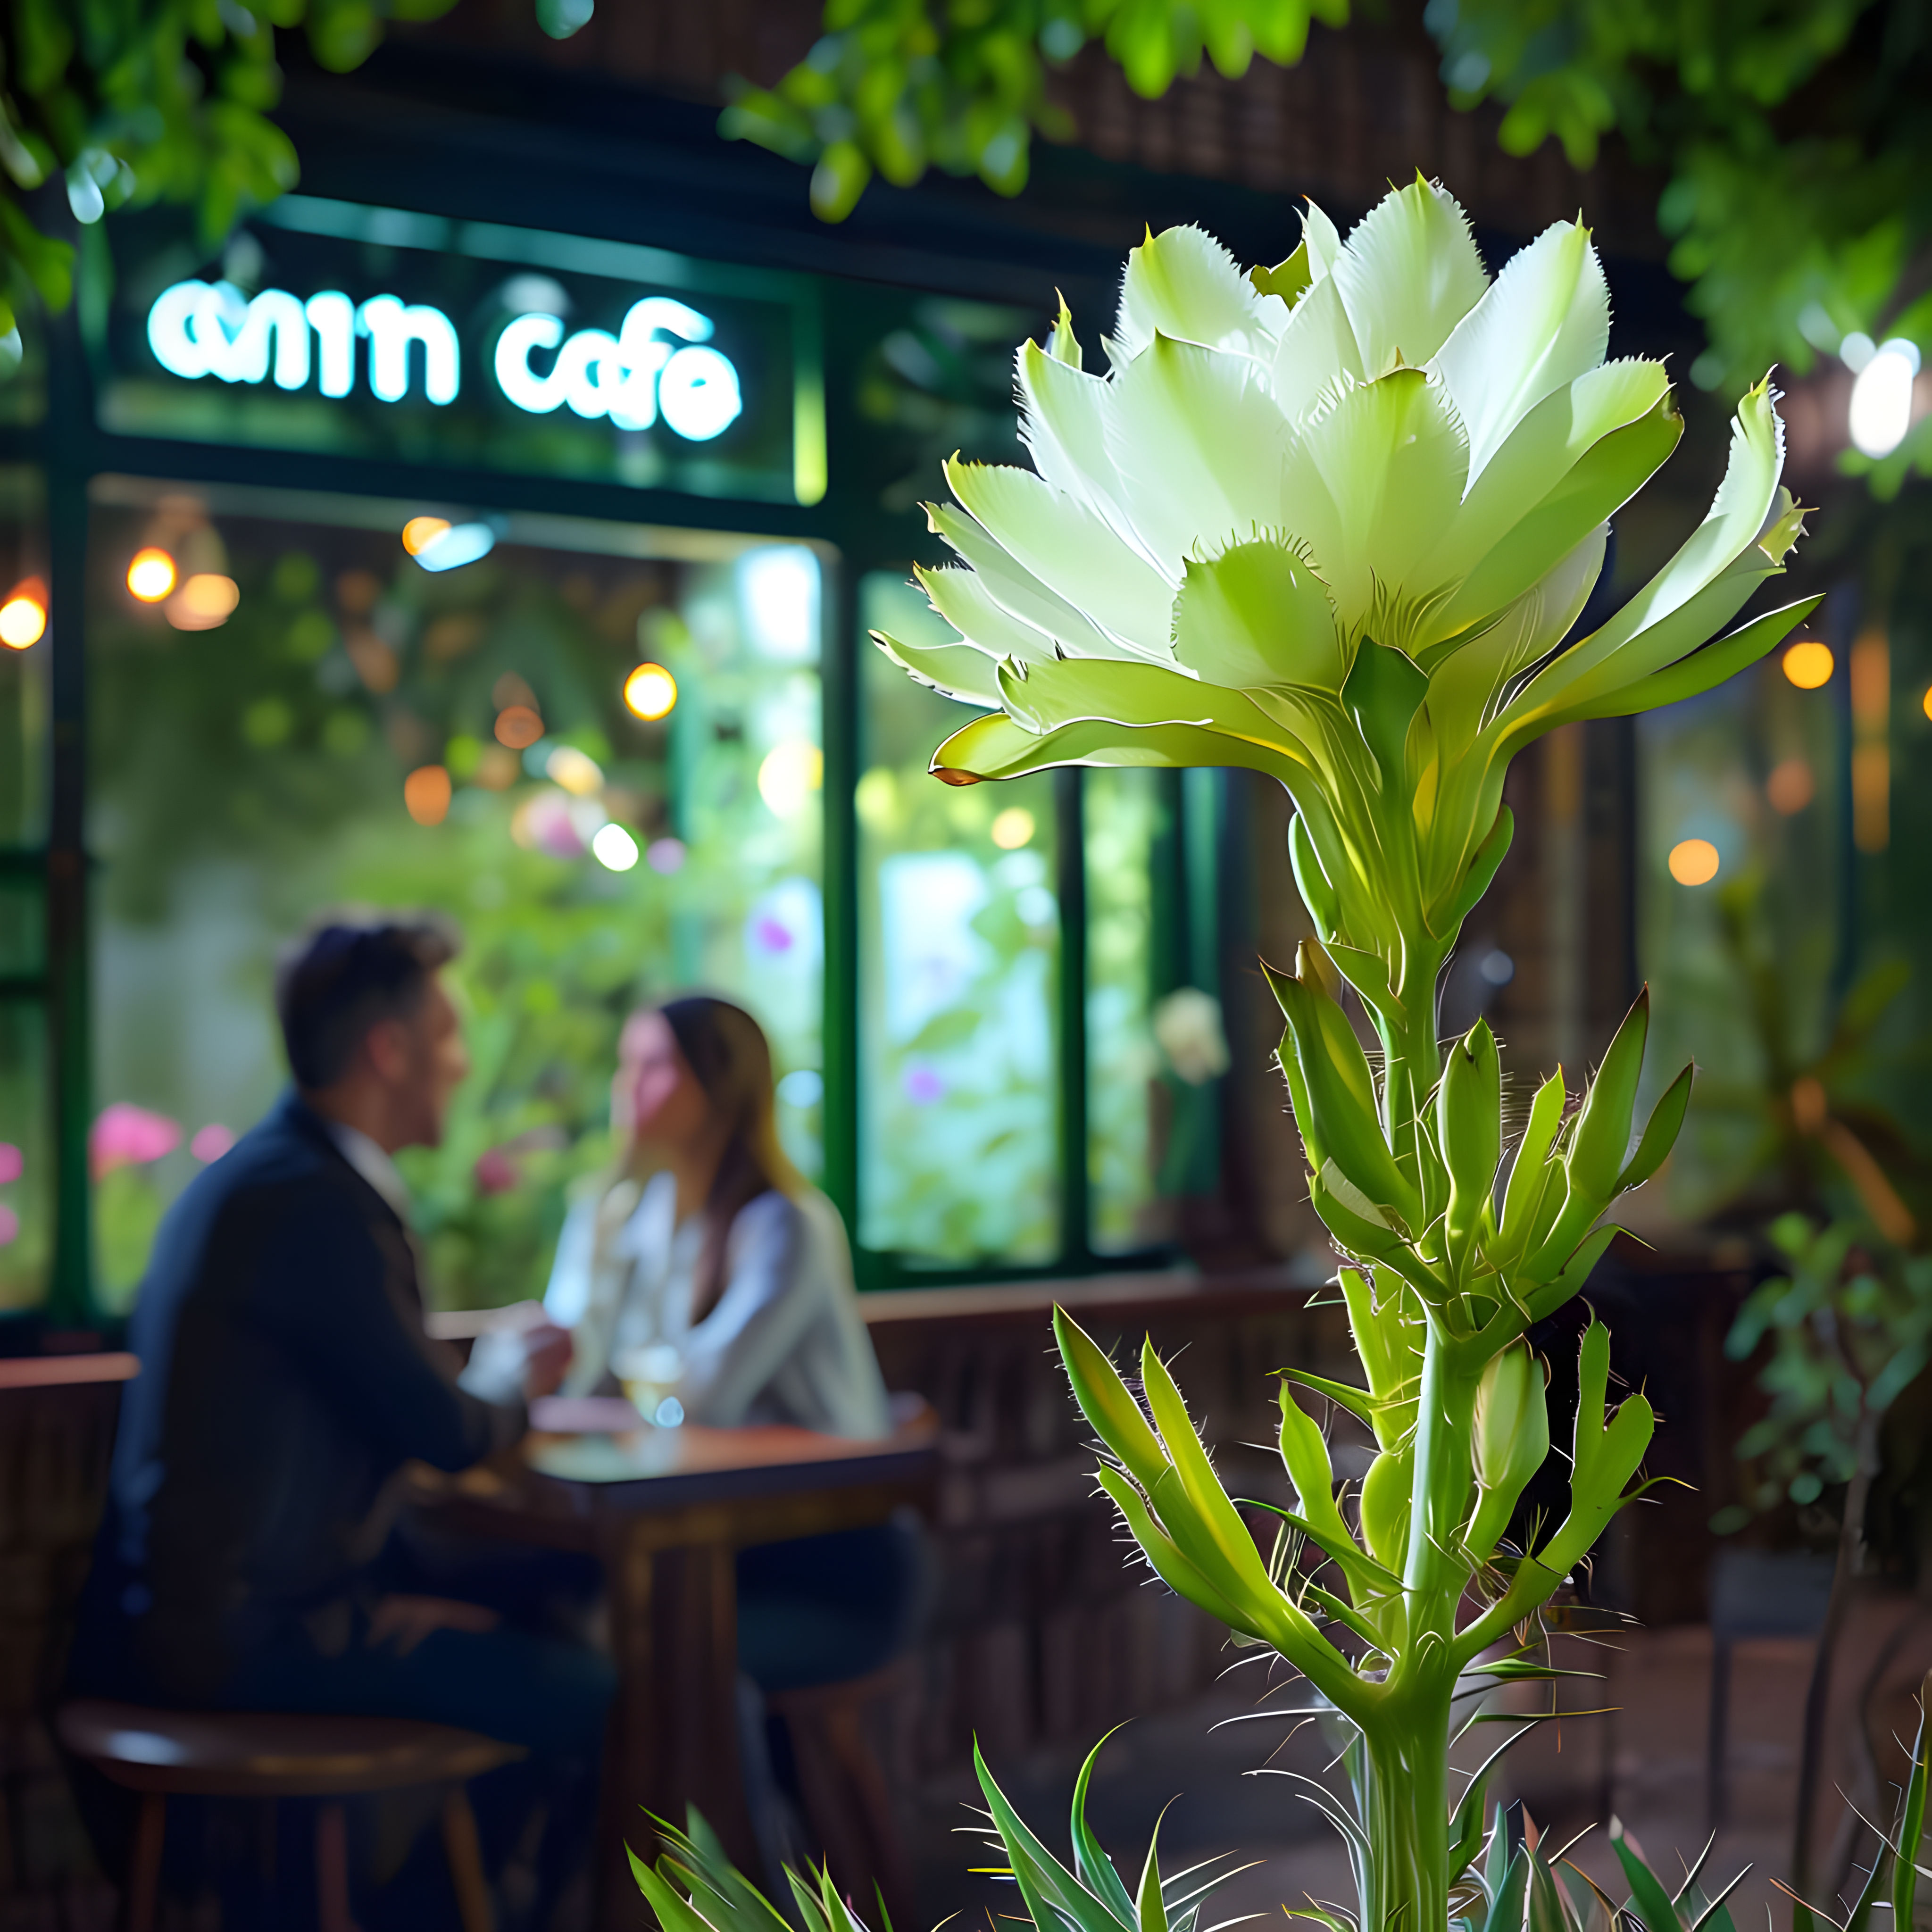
[246, 1560]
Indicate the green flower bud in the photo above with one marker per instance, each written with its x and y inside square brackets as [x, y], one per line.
[1512, 1440]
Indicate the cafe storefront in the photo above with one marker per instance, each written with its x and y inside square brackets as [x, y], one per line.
[448, 548]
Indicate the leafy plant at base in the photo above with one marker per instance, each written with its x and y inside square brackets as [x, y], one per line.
[1334, 521]
[1504, 1882]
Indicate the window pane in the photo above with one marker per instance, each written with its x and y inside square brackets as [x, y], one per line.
[1126, 813]
[959, 957]
[357, 728]
[26, 1156]
[25, 651]
[1743, 961]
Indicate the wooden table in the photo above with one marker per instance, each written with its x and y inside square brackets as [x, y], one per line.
[666, 1511]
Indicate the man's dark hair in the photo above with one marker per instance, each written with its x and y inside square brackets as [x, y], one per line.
[347, 974]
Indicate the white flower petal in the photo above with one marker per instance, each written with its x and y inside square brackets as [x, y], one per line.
[1197, 444]
[1365, 478]
[1062, 541]
[1183, 284]
[1409, 274]
[1317, 351]
[1545, 320]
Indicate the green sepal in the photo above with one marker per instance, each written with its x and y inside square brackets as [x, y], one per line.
[1311, 879]
[1171, 1564]
[1488, 856]
[1357, 1402]
[1223, 1530]
[1660, 1133]
[1106, 1403]
[1530, 1174]
[1602, 1135]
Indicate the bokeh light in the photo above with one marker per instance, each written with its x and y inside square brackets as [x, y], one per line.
[23, 617]
[151, 575]
[426, 794]
[204, 602]
[576, 771]
[665, 856]
[793, 768]
[517, 725]
[1012, 828]
[211, 1142]
[613, 848]
[1925, 702]
[1791, 787]
[12, 1162]
[419, 532]
[650, 691]
[1693, 861]
[1808, 665]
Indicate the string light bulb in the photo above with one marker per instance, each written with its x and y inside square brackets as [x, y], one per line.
[23, 617]
[151, 575]
[650, 692]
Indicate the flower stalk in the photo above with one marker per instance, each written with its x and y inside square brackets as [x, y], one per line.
[1335, 521]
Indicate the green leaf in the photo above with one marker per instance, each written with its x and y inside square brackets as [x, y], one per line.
[1648, 1899]
[1091, 1865]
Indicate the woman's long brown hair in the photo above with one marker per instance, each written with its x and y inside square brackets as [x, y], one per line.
[727, 1051]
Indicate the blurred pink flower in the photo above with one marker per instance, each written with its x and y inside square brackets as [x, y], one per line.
[211, 1142]
[12, 1164]
[9, 1227]
[496, 1172]
[923, 1085]
[126, 1135]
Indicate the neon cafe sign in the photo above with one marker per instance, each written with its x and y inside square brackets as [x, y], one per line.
[659, 364]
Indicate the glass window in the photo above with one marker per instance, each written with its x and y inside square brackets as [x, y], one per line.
[1740, 871]
[1127, 816]
[26, 649]
[26, 1156]
[289, 713]
[959, 962]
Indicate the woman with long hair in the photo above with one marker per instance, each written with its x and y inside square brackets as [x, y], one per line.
[707, 1247]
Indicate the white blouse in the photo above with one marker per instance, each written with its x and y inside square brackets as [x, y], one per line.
[784, 1342]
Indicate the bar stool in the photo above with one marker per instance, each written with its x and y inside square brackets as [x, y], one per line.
[263, 1754]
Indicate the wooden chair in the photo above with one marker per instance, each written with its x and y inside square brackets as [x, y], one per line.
[848, 1806]
[260, 1754]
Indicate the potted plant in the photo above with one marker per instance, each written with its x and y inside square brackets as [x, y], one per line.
[1334, 521]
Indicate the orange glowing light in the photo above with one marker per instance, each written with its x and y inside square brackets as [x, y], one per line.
[151, 575]
[1693, 861]
[23, 617]
[419, 532]
[426, 794]
[517, 725]
[650, 691]
[204, 602]
[1808, 665]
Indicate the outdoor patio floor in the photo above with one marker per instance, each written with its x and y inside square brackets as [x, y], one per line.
[1645, 1764]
